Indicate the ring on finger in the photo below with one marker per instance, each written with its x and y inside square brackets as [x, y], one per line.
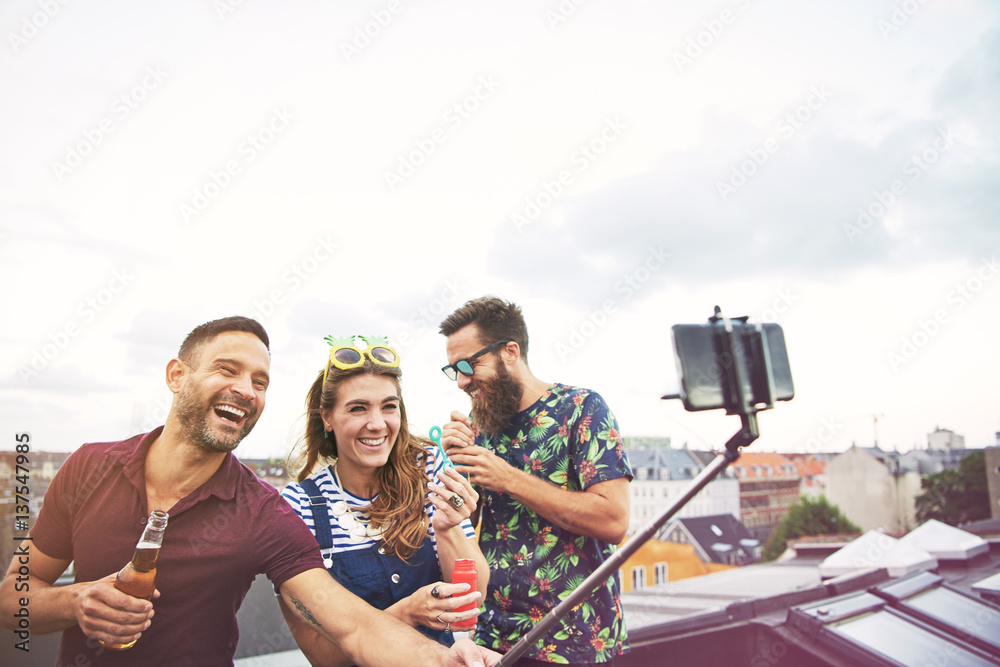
[447, 628]
[438, 617]
[456, 500]
[435, 593]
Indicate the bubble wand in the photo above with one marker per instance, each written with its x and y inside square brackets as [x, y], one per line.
[435, 435]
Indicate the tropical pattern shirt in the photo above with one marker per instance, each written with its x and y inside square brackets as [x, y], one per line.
[568, 437]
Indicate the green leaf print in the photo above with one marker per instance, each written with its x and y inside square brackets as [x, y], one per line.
[545, 541]
[561, 474]
[540, 425]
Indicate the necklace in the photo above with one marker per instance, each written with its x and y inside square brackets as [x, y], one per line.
[358, 526]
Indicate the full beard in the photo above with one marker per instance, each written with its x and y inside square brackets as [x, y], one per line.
[498, 401]
[192, 414]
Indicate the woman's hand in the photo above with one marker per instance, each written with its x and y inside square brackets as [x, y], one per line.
[453, 498]
[431, 607]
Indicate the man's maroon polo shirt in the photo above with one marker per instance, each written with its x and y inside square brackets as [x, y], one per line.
[217, 540]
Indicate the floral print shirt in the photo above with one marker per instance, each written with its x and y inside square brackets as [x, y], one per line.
[570, 438]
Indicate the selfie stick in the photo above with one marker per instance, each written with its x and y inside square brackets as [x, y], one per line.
[733, 376]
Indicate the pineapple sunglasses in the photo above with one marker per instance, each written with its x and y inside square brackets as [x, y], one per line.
[345, 355]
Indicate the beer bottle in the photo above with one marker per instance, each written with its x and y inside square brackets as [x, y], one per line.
[138, 578]
[465, 573]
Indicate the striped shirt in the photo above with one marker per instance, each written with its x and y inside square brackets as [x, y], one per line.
[331, 489]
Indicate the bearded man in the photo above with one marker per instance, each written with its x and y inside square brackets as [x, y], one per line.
[553, 476]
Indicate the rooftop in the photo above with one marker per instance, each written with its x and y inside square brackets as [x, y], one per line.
[784, 613]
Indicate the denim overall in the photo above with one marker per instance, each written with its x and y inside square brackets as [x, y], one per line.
[377, 578]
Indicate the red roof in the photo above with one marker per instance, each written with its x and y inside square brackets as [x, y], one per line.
[763, 464]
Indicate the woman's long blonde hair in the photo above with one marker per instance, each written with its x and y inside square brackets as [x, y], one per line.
[401, 483]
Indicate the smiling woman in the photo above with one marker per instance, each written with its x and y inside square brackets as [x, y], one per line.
[362, 488]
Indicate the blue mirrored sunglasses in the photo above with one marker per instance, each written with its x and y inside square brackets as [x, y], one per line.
[464, 366]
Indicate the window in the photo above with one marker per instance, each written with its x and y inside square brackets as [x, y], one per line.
[875, 633]
[638, 577]
[660, 573]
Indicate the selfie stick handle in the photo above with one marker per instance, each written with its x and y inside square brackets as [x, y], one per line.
[744, 437]
[738, 404]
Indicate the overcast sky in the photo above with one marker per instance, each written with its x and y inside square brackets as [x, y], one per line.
[614, 167]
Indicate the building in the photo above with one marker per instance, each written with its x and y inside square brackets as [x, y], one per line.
[719, 539]
[657, 562]
[993, 477]
[270, 471]
[933, 461]
[874, 489]
[769, 486]
[877, 489]
[942, 438]
[661, 474]
[23, 482]
[812, 473]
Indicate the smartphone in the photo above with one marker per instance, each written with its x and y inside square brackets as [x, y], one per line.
[707, 356]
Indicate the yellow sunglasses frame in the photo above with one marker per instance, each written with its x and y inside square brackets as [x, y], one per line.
[362, 354]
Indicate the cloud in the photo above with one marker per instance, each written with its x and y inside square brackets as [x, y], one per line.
[808, 197]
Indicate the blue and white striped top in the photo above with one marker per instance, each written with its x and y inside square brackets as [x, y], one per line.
[331, 489]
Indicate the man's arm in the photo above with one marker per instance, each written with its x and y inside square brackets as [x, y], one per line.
[317, 650]
[600, 511]
[366, 635]
[102, 611]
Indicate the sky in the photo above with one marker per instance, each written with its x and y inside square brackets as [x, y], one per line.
[615, 168]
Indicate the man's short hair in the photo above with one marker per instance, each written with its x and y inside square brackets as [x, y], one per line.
[496, 319]
[205, 333]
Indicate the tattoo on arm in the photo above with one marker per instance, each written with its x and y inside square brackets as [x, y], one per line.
[305, 612]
